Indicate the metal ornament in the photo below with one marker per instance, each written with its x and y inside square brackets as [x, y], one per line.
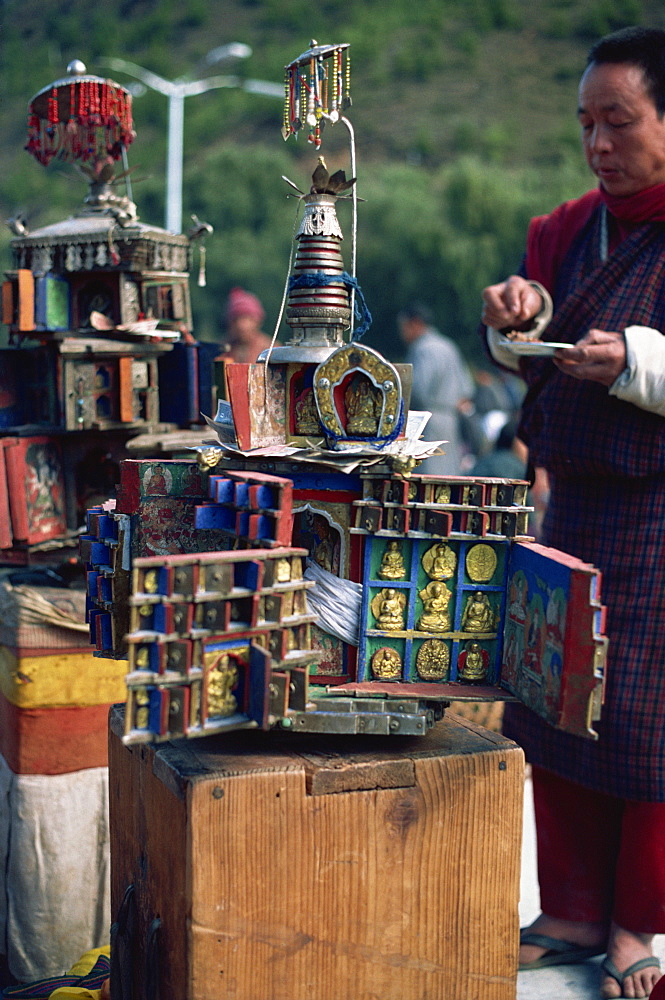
[358, 394]
[80, 117]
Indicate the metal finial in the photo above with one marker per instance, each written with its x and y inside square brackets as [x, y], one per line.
[77, 68]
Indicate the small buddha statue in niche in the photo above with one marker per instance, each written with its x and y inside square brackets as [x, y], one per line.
[442, 494]
[392, 564]
[440, 562]
[478, 614]
[473, 663]
[222, 678]
[386, 664]
[142, 708]
[433, 660]
[435, 616]
[388, 609]
[143, 658]
[362, 408]
[306, 414]
[282, 570]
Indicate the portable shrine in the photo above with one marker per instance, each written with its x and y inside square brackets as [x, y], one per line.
[99, 319]
[301, 574]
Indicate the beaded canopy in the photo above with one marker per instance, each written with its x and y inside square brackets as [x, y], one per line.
[81, 117]
[317, 89]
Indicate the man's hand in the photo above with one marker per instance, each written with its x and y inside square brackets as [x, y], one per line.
[600, 356]
[511, 303]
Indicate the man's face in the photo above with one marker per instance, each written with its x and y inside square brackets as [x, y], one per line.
[622, 133]
[410, 329]
[242, 330]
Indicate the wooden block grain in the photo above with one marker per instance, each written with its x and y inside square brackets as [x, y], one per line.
[286, 868]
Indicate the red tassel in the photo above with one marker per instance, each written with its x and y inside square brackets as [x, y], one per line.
[53, 107]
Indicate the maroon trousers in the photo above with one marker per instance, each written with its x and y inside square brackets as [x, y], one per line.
[600, 858]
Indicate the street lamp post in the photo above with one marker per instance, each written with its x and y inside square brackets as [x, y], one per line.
[176, 91]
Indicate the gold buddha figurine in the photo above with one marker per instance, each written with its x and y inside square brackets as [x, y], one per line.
[361, 408]
[306, 414]
[282, 570]
[388, 609]
[142, 708]
[474, 667]
[440, 562]
[386, 664]
[478, 614]
[392, 564]
[142, 658]
[435, 616]
[433, 660]
[221, 680]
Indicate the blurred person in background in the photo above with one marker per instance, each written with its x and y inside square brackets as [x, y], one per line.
[243, 317]
[442, 384]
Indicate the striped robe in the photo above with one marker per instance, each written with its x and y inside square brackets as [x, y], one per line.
[606, 463]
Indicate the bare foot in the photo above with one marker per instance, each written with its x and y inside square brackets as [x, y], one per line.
[624, 948]
[586, 934]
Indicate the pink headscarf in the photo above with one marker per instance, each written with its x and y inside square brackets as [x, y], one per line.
[242, 303]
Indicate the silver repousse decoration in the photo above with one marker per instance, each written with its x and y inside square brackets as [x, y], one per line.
[320, 217]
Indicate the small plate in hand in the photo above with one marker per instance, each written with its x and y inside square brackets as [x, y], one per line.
[543, 348]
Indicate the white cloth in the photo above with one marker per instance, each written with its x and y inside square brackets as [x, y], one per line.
[55, 899]
[335, 602]
[441, 380]
[643, 380]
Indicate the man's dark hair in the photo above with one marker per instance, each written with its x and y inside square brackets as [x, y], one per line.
[417, 310]
[643, 47]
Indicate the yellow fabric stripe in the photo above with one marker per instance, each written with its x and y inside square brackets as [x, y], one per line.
[59, 679]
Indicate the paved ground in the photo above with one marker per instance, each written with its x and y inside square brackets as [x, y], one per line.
[567, 982]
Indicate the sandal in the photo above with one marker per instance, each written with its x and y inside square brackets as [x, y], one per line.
[558, 952]
[608, 967]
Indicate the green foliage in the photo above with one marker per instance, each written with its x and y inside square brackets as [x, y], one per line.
[604, 16]
[464, 114]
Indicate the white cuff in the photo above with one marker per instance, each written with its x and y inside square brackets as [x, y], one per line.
[501, 354]
[642, 382]
[541, 319]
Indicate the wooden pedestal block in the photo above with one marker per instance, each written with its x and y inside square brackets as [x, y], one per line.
[276, 867]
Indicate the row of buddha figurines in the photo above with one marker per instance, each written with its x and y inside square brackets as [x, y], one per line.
[389, 610]
[433, 662]
[440, 562]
